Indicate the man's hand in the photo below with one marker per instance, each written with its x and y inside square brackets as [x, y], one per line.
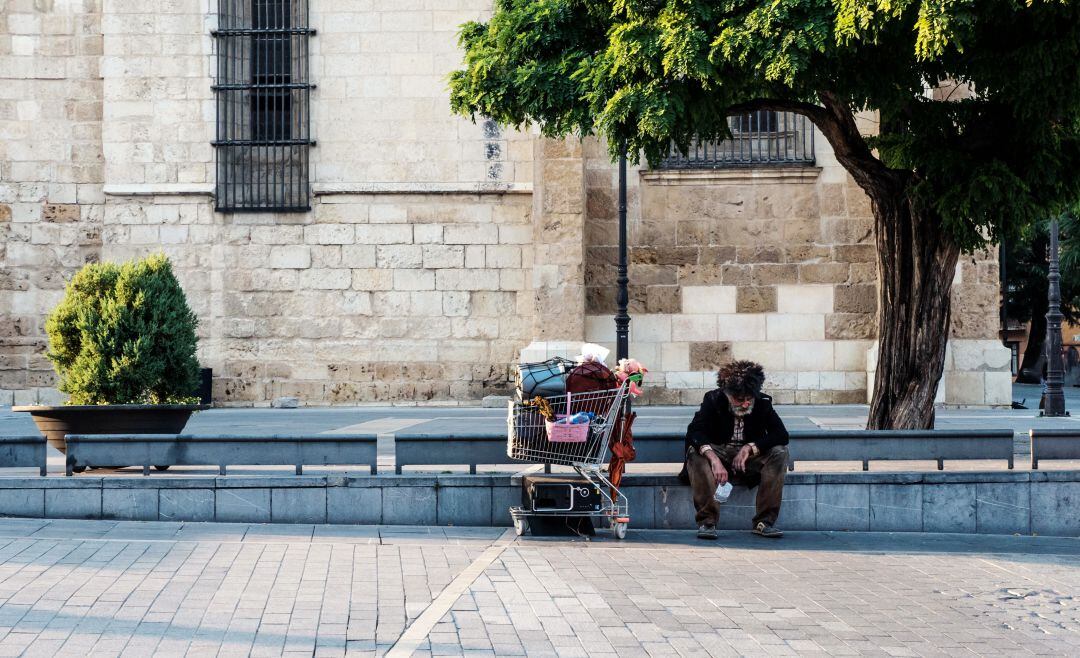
[718, 470]
[739, 463]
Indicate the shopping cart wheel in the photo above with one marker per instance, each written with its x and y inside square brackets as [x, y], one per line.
[619, 528]
[520, 526]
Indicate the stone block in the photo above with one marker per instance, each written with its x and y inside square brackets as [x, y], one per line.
[850, 355]
[377, 234]
[896, 507]
[673, 356]
[502, 499]
[771, 275]
[1003, 507]
[710, 355]
[965, 388]
[651, 328]
[771, 356]
[1054, 508]
[22, 502]
[843, 507]
[691, 328]
[754, 299]
[708, 299]
[329, 234]
[660, 299]
[997, 388]
[297, 505]
[73, 503]
[464, 506]
[824, 273]
[129, 504]
[692, 380]
[784, 326]
[471, 234]
[860, 298]
[399, 256]
[409, 506]
[738, 512]
[421, 280]
[186, 505]
[59, 212]
[290, 257]
[808, 355]
[741, 327]
[642, 505]
[799, 509]
[804, 299]
[850, 326]
[242, 505]
[673, 507]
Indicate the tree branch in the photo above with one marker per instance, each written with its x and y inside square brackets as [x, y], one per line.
[836, 121]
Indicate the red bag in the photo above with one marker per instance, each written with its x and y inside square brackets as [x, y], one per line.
[590, 376]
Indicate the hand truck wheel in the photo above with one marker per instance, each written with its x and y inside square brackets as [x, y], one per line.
[619, 528]
[520, 526]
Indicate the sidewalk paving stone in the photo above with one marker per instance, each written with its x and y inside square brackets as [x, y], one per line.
[134, 588]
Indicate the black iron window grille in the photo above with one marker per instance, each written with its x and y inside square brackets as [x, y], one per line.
[762, 138]
[263, 97]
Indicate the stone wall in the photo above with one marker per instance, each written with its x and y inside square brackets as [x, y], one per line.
[774, 265]
[437, 248]
[1012, 502]
[50, 174]
[367, 298]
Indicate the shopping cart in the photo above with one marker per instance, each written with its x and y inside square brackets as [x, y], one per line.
[533, 438]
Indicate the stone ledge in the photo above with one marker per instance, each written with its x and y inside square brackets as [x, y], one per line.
[968, 502]
[158, 189]
[731, 176]
[349, 189]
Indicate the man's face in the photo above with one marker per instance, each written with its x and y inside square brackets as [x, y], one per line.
[741, 405]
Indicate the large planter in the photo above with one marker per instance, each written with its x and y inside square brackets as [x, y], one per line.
[55, 422]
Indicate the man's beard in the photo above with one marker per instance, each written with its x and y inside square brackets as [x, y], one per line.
[740, 412]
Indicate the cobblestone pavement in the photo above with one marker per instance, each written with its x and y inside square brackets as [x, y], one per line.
[103, 588]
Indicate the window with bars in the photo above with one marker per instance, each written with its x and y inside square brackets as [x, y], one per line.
[762, 138]
[262, 95]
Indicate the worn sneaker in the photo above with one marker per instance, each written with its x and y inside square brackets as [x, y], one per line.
[706, 531]
[765, 530]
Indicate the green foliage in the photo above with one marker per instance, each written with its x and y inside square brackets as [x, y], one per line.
[123, 334]
[1027, 265]
[649, 73]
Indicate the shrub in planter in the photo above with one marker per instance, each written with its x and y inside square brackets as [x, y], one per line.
[124, 334]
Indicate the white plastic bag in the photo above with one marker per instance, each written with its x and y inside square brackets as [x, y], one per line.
[723, 492]
[590, 351]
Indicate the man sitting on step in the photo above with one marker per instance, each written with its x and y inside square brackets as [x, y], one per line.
[737, 436]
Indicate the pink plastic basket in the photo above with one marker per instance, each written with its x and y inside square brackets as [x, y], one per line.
[561, 433]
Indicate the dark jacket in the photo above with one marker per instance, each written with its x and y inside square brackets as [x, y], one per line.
[714, 423]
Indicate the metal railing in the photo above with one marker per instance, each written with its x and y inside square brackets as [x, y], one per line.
[762, 138]
[262, 95]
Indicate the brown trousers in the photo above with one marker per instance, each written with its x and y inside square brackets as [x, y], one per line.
[766, 471]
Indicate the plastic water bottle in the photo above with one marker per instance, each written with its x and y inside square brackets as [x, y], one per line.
[723, 492]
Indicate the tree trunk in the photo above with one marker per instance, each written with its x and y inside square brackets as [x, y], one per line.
[1035, 351]
[916, 265]
[1030, 371]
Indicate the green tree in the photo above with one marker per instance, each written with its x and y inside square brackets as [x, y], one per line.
[948, 172]
[123, 334]
[1026, 267]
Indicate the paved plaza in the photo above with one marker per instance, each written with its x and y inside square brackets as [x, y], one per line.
[104, 588]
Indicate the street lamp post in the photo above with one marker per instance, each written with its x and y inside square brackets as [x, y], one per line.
[622, 298]
[1054, 400]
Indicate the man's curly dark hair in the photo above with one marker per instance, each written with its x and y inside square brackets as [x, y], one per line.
[741, 378]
